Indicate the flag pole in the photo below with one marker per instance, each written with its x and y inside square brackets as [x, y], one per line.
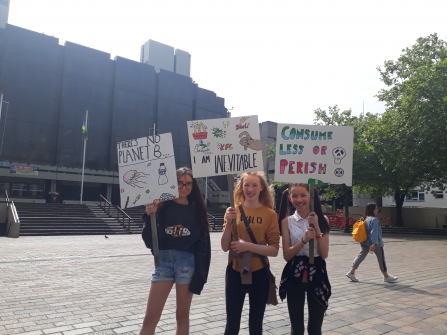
[1, 103]
[83, 159]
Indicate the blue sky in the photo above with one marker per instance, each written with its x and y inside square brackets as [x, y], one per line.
[279, 60]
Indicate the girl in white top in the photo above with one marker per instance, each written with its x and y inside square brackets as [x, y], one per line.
[299, 277]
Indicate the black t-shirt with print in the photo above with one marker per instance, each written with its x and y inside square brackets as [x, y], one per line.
[179, 227]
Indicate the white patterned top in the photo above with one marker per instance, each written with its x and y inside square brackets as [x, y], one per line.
[297, 227]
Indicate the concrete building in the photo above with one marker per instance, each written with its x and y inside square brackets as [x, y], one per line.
[162, 56]
[47, 88]
[4, 12]
[421, 198]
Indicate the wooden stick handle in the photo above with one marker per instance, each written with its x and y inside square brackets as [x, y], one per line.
[311, 209]
[230, 180]
[155, 249]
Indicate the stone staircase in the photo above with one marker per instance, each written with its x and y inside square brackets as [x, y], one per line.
[215, 216]
[63, 219]
[216, 219]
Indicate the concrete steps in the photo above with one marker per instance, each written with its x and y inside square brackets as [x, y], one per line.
[216, 223]
[63, 219]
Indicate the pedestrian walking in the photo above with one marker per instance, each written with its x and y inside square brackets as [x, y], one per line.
[299, 278]
[245, 272]
[185, 252]
[373, 244]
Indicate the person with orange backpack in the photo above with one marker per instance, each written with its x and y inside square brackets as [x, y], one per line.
[372, 244]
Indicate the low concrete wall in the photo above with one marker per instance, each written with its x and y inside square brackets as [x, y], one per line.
[25, 200]
[413, 217]
[3, 216]
[423, 217]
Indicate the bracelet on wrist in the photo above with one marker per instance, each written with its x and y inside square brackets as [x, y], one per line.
[303, 241]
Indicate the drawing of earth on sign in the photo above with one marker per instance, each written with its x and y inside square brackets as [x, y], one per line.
[165, 197]
[135, 178]
[247, 142]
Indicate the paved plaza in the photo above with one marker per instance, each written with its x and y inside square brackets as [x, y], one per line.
[91, 285]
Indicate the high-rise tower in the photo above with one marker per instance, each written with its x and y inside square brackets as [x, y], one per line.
[4, 11]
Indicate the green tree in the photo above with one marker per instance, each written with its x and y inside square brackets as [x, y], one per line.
[406, 147]
[335, 117]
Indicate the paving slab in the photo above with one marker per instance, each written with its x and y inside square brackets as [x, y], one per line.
[92, 285]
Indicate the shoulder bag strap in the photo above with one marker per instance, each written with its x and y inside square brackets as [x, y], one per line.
[253, 239]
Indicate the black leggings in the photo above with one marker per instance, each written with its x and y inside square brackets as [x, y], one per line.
[295, 302]
[235, 295]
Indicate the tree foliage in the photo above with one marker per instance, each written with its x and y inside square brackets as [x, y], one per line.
[406, 147]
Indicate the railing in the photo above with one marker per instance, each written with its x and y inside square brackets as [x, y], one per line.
[121, 215]
[124, 214]
[106, 202]
[212, 218]
[12, 218]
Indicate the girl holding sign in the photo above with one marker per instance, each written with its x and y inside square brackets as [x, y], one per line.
[185, 252]
[245, 271]
[299, 277]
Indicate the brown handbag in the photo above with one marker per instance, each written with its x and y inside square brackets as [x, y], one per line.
[272, 296]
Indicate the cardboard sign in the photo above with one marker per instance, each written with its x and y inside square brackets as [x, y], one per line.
[147, 171]
[225, 146]
[314, 154]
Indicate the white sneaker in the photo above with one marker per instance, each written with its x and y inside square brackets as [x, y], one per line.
[390, 279]
[352, 277]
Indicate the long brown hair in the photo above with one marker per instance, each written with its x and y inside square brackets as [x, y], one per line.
[284, 208]
[195, 198]
[265, 197]
[369, 209]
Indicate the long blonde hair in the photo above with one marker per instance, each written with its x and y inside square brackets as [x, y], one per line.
[265, 197]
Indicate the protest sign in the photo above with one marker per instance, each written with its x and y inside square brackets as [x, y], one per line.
[314, 154]
[147, 171]
[225, 146]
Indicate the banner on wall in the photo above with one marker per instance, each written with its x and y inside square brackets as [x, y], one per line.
[24, 169]
[225, 146]
[314, 154]
[147, 171]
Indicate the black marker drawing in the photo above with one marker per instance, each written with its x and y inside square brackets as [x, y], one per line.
[339, 172]
[135, 178]
[338, 153]
[166, 196]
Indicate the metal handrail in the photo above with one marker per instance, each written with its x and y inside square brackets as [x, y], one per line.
[214, 220]
[119, 211]
[109, 204]
[13, 211]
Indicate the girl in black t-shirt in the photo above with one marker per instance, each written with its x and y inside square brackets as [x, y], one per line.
[185, 252]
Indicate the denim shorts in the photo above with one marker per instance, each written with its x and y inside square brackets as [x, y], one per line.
[174, 265]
